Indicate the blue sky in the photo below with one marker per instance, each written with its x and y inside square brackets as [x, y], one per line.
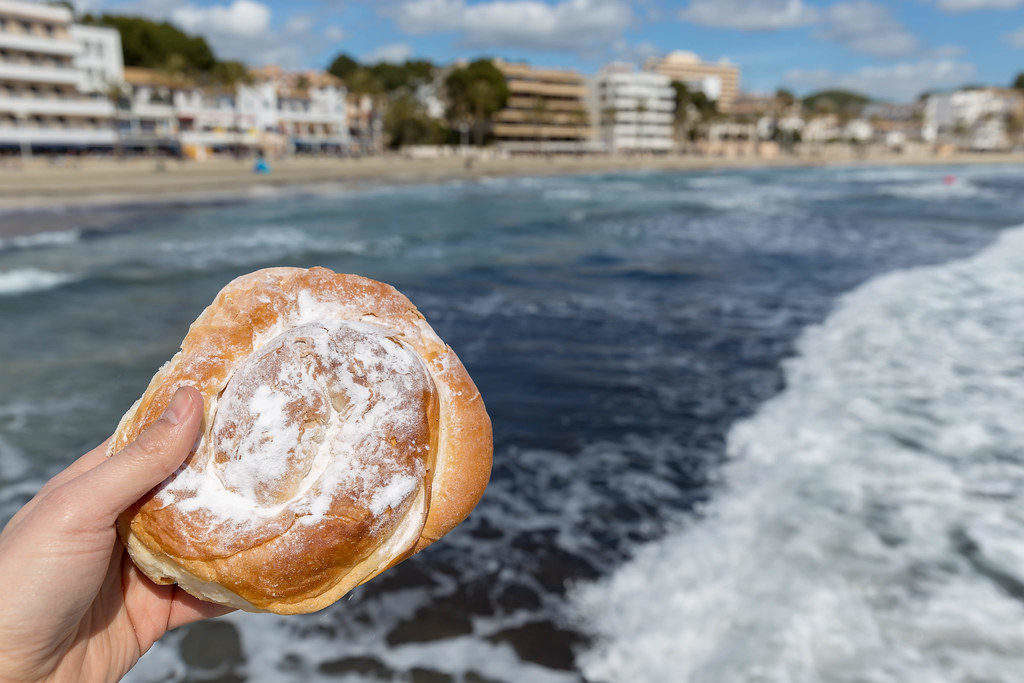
[891, 49]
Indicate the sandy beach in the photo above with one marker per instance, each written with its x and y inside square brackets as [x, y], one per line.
[41, 184]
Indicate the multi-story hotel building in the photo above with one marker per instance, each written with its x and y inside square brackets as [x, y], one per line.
[720, 82]
[546, 109]
[47, 102]
[633, 110]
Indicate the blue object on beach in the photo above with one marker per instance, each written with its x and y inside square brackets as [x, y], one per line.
[261, 166]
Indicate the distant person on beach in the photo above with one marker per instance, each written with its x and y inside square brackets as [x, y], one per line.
[261, 167]
[72, 605]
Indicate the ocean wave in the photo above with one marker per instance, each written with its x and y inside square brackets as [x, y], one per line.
[26, 280]
[870, 526]
[48, 238]
[940, 189]
[260, 244]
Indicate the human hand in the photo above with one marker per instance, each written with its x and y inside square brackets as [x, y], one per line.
[72, 604]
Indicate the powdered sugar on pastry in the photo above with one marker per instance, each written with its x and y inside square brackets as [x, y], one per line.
[323, 412]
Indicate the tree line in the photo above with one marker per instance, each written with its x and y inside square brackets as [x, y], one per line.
[471, 94]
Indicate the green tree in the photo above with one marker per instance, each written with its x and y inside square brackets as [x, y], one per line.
[1018, 82]
[157, 45]
[407, 76]
[230, 73]
[406, 122]
[475, 93]
[362, 81]
[845, 103]
[342, 66]
[785, 97]
[692, 108]
[685, 98]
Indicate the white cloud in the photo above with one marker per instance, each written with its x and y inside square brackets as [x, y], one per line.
[969, 5]
[246, 18]
[749, 15]
[867, 27]
[334, 33]
[299, 23]
[394, 53]
[948, 51]
[1016, 38]
[573, 25]
[898, 81]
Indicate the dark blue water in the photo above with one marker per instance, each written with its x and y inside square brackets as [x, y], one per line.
[617, 326]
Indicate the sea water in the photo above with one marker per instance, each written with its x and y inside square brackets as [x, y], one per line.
[749, 425]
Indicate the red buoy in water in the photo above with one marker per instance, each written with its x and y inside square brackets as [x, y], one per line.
[949, 180]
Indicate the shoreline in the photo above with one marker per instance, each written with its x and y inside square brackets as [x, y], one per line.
[39, 187]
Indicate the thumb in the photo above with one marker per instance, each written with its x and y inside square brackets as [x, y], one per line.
[120, 480]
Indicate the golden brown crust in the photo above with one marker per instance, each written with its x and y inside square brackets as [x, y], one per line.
[279, 569]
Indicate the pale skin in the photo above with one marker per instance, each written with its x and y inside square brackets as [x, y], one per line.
[73, 607]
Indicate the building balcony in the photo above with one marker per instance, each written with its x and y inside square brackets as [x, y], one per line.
[530, 103]
[519, 87]
[634, 104]
[640, 130]
[31, 73]
[645, 117]
[642, 92]
[542, 131]
[543, 117]
[55, 106]
[25, 42]
[150, 110]
[19, 135]
[37, 11]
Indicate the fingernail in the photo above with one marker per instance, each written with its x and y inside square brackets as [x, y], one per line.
[177, 409]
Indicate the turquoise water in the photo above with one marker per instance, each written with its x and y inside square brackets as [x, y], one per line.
[729, 408]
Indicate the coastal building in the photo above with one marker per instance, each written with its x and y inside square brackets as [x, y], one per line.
[719, 81]
[365, 123]
[309, 108]
[822, 128]
[546, 109]
[976, 118]
[99, 60]
[276, 111]
[895, 125]
[858, 130]
[633, 110]
[146, 119]
[48, 103]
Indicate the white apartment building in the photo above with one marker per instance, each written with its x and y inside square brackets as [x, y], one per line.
[45, 103]
[633, 110]
[315, 119]
[976, 118]
[100, 60]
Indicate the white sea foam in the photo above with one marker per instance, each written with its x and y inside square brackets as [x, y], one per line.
[870, 523]
[25, 280]
[49, 238]
[241, 248]
[940, 190]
